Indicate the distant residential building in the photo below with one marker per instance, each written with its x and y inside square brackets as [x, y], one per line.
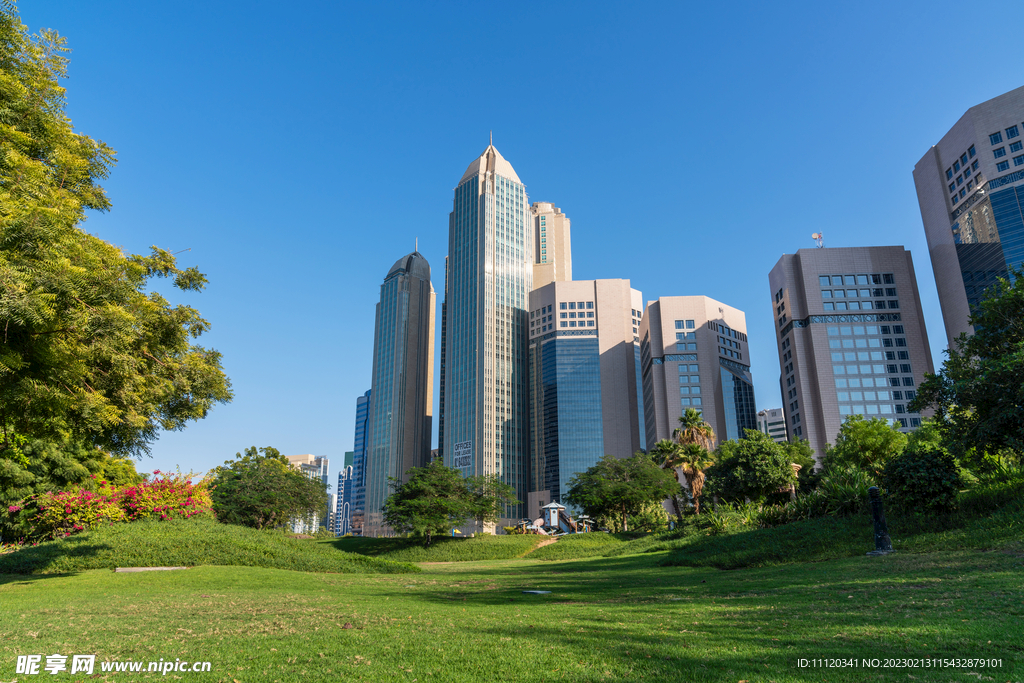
[314, 467]
[586, 396]
[851, 338]
[552, 245]
[772, 421]
[402, 391]
[357, 511]
[970, 187]
[694, 354]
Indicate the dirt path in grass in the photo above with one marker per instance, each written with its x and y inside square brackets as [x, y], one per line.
[546, 541]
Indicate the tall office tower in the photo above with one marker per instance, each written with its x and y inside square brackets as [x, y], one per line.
[772, 421]
[402, 393]
[694, 354]
[970, 187]
[444, 360]
[314, 467]
[851, 338]
[586, 395]
[552, 248]
[357, 513]
[490, 275]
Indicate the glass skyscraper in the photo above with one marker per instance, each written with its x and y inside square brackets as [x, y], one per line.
[357, 513]
[399, 421]
[484, 414]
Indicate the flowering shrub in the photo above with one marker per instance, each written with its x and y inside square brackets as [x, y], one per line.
[56, 515]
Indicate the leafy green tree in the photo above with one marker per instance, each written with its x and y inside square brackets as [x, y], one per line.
[867, 444]
[753, 467]
[433, 499]
[924, 478]
[262, 490]
[978, 395]
[667, 453]
[90, 354]
[620, 486]
[489, 498]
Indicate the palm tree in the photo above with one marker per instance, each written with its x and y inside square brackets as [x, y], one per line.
[695, 439]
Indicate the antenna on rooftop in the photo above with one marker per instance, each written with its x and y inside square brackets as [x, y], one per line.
[417, 247]
[819, 239]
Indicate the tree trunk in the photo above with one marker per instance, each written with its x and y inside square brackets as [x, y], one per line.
[625, 519]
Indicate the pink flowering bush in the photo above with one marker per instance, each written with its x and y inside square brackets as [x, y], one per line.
[165, 496]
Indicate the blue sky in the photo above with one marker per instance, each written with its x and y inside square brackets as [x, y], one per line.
[299, 150]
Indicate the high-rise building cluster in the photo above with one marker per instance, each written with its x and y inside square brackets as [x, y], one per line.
[542, 375]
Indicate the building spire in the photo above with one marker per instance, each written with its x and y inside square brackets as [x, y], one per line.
[492, 138]
[417, 247]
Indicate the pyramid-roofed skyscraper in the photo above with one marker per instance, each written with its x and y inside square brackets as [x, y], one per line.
[489, 274]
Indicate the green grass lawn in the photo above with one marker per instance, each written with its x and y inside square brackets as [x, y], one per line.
[606, 619]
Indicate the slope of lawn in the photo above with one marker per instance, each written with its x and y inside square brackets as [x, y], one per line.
[989, 518]
[576, 546]
[605, 619]
[188, 543]
[444, 549]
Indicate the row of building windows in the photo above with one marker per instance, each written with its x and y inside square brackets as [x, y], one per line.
[872, 409]
[963, 160]
[572, 323]
[727, 331]
[1005, 165]
[854, 293]
[851, 280]
[965, 176]
[836, 330]
[684, 324]
[874, 342]
[688, 379]
[687, 402]
[859, 305]
[572, 314]
[730, 353]
[572, 305]
[996, 138]
[681, 336]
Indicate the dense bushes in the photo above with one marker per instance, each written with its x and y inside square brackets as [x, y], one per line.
[925, 479]
[57, 515]
[750, 468]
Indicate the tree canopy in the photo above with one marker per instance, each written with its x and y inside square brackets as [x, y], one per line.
[91, 356]
[978, 395]
[621, 486]
[261, 489]
[436, 498]
[867, 444]
[753, 467]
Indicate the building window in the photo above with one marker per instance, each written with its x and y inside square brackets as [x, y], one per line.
[952, 187]
[1017, 146]
[971, 151]
[1003, 166]
[565, 324]
[1011, 132]
[908, 381]
[956, 167]
[1018, 161]
[999, 152]
[995, 138]
[563, 315]
[562, 305]
[689, 325]
[590, 304]
[963, 158]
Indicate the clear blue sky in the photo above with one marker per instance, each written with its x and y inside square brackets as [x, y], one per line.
[299, 149]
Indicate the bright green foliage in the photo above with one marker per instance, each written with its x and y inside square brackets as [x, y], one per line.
[867, 444]
[90, 353]
[262, 490]
[753, 467]
[434, 499]
[189, 543]
[924, 479]
[621, 486]
[489, 498]
[978, 396]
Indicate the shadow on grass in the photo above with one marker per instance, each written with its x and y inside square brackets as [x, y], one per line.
[33, 558]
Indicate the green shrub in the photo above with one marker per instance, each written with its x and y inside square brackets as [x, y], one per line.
[754, 467]
[926, 479]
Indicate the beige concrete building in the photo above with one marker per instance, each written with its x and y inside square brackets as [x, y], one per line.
[694, 355]
[585, 391]
[851, 338]
[314, 467]
[552, 261]
[970, 187]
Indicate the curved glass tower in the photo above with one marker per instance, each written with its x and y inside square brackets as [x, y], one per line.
[399, 420]
[484, 414]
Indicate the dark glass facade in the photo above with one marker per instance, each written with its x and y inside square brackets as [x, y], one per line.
[989, 237]
[358, 510]
[566, 430]
[738, 403]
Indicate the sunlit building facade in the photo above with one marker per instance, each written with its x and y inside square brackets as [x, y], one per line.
[489, 276]
[357, 512]
[586, 397]
[970, 187]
